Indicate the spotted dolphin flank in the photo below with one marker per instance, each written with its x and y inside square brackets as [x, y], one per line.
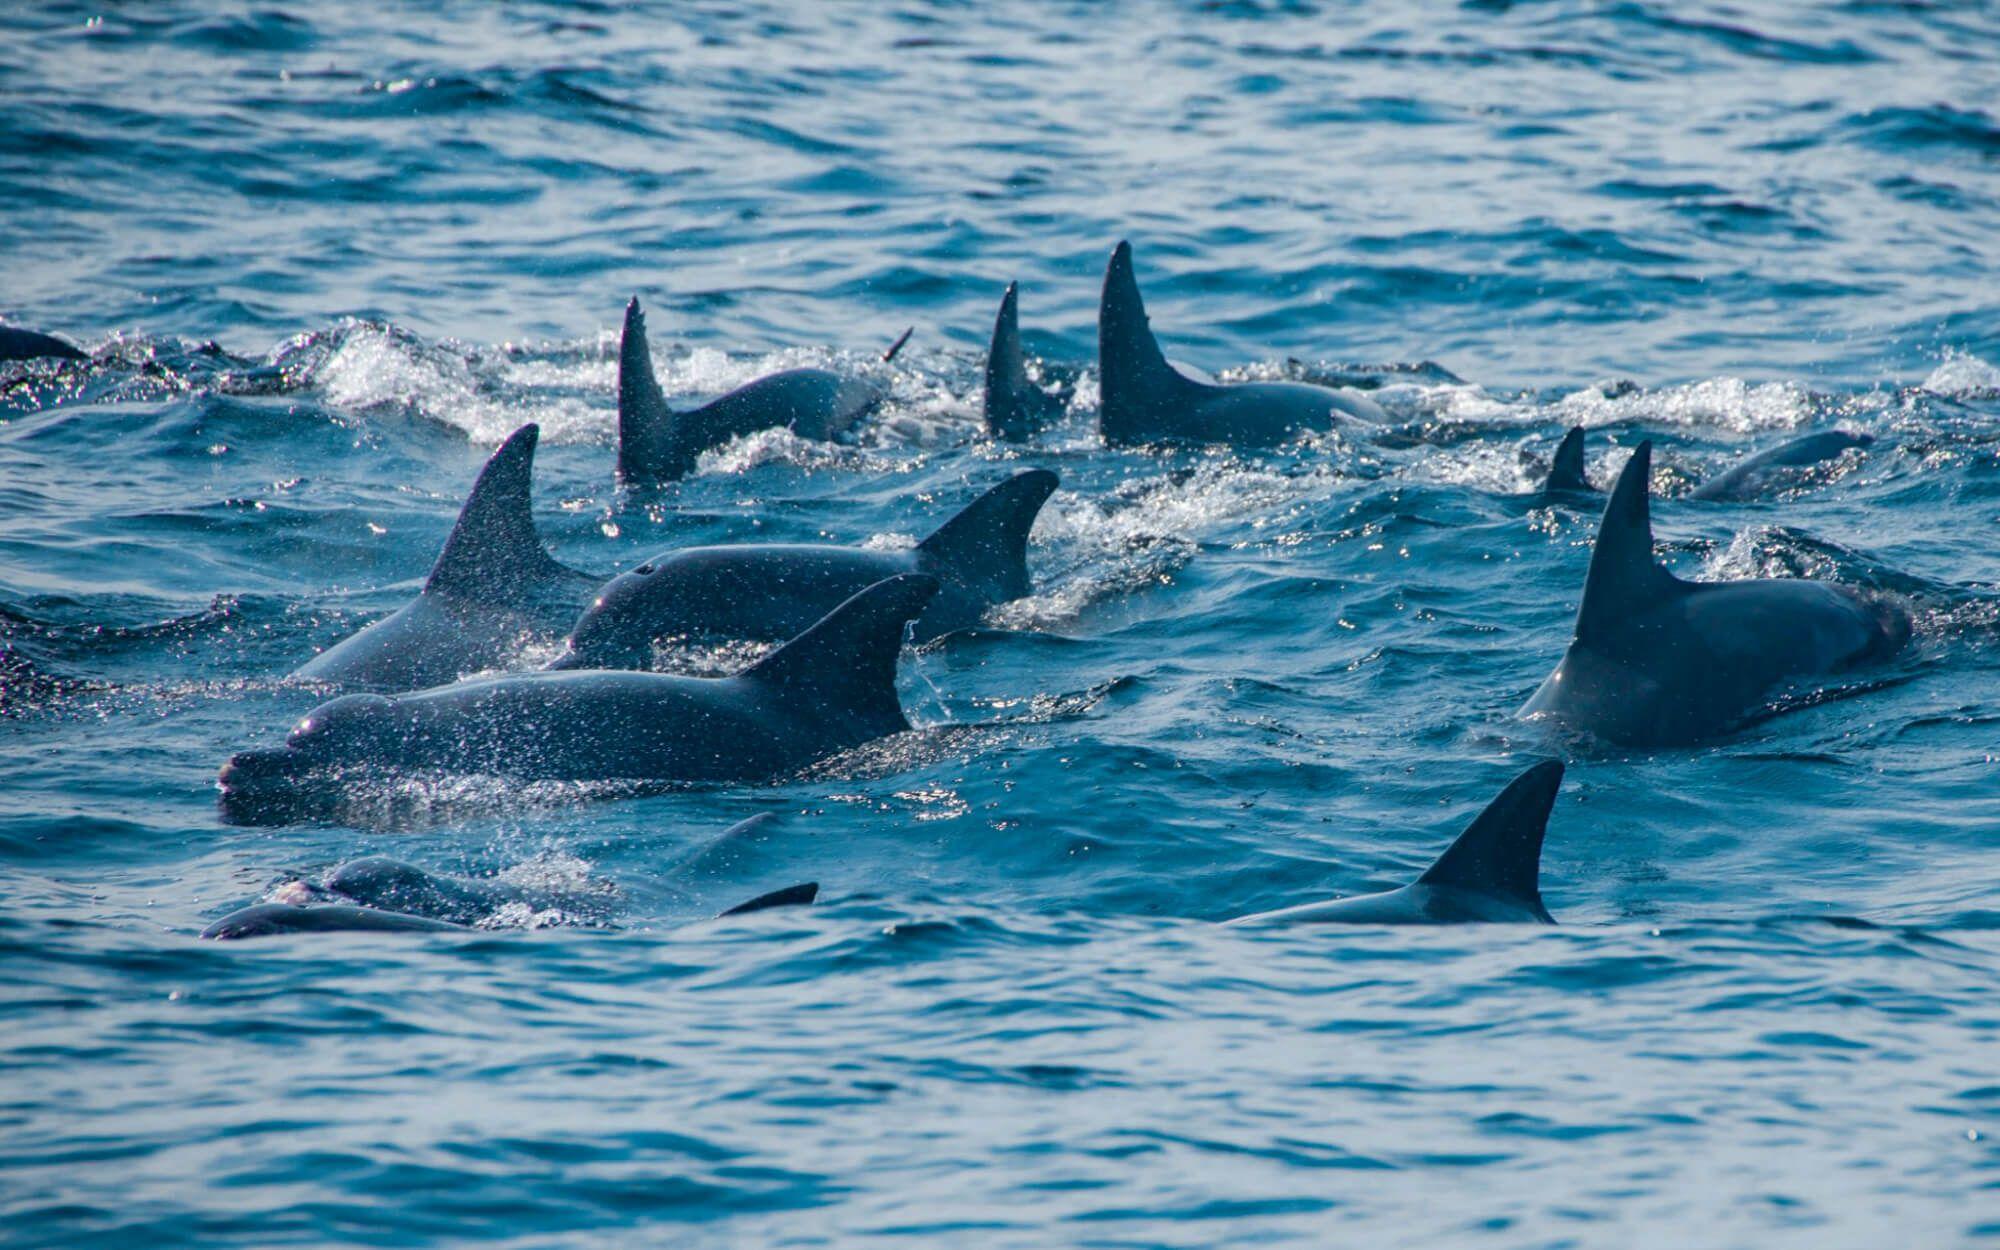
[492, 590]
[1490, 874]
[771, 591]
[1657, 661]
[827, 690]
[658, 444]
[1016, 409]
[1145, 399]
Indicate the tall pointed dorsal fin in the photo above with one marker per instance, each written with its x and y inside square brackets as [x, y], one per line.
[1133, 373]
[1566, 473]
[494, 553]
[1500, 852]
[1012, 403]
[647, 434]
[1623, 578]
[846, 663]
[986, 544]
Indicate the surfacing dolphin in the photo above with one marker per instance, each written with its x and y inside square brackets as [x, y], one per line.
[1755, 475]
[1490, 874]
[770, 591]
[1144, 399]
[1658, 661]
[19, 344]
[275, 919]
[1016, 409]
[492, 590]
[831, 688]
[658, 444]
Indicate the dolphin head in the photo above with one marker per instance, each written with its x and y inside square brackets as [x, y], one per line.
[268, 783]
[618, 628]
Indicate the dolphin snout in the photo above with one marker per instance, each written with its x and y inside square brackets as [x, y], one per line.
[250, 769]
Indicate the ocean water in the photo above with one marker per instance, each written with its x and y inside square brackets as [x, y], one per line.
[325, 257]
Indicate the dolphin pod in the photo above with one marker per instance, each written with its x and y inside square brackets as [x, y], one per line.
[769, 592]
[1658, 661]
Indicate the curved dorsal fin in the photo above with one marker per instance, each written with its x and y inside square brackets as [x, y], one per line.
[1134, 377]
[790, 896]
[1624, 578]
[845, 664]
[494, 553]
[1500, 852]
[1566, 472]
[986, 544]
[1013, 404]
[647, 433]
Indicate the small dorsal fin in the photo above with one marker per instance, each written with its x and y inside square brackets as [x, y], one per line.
[648, 437]
[1500, 852]
[1623, 576]
[790, 896]
[1133, 374]
[845, 665]
[986, 544]
[494, 553]
[1014, 405]
[1566, 472]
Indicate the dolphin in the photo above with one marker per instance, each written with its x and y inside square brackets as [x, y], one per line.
[771, 592]
[19, 344]
[492, 589]
[1016, 409]
[1658, 661]
[1490, 874]
[657, 444]
[274, 919]
[1144, 399]
[829, 689]
[1566, 475]
[1750, 478]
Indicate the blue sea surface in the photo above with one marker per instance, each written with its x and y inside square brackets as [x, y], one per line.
[325, 257]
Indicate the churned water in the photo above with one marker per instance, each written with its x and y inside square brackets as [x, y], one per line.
[325, 257]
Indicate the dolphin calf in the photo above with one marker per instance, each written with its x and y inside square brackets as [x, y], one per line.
[773, 591]
[1016, 409]
[1490, 874]
[1658, 661]
[1566, 472]
[492, 589]
[274, 919]
[657, 444]
[831, 688]
[1755, 475]
[19, 344]
[1144, 399]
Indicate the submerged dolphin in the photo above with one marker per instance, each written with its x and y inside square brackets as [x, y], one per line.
[1566, 473]
[1016, 409]
[1490, 874]
[1658, 661]
[19, 344]
[657, 444]
[1144, 399]
[492, 589]
[273, 919]
[831, 688]
[773, 591]
[1750, 478]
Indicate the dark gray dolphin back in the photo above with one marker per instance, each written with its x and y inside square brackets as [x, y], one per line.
[1566, 473]
[1135, 379]
[494, 553]
[790, 896]
[1500, 852]
[19, 344]
[1624, 578]
[648, 443]
[845, 666]
[1015, 407]
[985, 547]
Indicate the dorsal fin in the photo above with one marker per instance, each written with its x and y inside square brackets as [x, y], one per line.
[494, 553]
[790, 896]
[1500, 852]
[1623, 576]
[1566, 472]
[846, 663]
[648, 434]
[986, 544]
[1134, 377]
[1014, 405]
